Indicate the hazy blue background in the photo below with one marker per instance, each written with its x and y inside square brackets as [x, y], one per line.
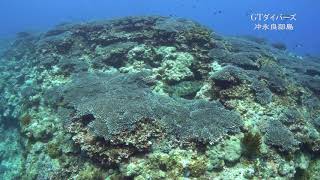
[228, 17]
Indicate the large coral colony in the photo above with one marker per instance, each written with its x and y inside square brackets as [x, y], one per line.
[156, 98]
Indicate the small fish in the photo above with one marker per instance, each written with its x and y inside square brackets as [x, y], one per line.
[297, 46]
[217, 12]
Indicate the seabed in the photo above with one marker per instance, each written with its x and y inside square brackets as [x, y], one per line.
[155, 97]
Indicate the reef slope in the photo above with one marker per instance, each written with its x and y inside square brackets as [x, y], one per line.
[156, 98]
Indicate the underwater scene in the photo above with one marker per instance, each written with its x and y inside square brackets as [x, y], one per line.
[152, 90]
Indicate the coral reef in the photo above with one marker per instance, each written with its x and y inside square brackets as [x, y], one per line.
[277, 135]
[112, 104]
[155, 97]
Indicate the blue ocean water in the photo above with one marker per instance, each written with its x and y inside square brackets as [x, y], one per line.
[228, 17]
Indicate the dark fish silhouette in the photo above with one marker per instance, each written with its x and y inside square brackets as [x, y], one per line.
[217, 12]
